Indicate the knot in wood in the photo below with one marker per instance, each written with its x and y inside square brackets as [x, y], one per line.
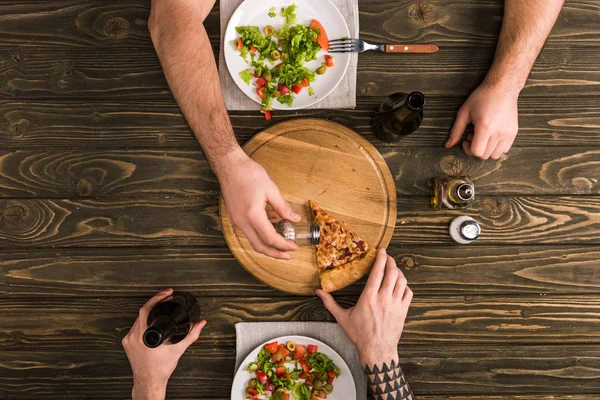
[13, 214]
[15, 58]
[19, 128]
[84, 187]
[368, 88]
[407, 262]
[116, 27]
[495, 206]
[452, 165]
[422, 13]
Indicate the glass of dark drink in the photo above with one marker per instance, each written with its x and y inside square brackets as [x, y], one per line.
[399, 115]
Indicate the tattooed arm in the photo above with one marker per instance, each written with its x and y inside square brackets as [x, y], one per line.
[375, 325]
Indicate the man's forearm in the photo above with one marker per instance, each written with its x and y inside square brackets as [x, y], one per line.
[386, 381]
[187, 59]
[526, 25]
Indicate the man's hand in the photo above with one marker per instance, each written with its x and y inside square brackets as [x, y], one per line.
[493, 111]
[152, 368]
[375, 323]
[247, 189]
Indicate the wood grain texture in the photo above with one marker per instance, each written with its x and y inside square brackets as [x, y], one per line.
[308, 161]
[186, 173]
[54, 324]
[431, 370]
[94, 223]
[441, 270]
[112, 23]
[124, 74]
[106, 198]
[128, 173]
[193, 222]
[159, 124]
[64, 60]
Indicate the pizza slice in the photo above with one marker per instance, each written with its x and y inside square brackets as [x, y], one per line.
[340, 253]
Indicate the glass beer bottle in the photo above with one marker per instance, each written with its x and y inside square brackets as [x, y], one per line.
[171, 319]
[399, 115]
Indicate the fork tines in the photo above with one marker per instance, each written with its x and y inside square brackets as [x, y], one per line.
[345, 45]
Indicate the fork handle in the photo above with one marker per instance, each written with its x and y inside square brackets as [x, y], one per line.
[411, 48]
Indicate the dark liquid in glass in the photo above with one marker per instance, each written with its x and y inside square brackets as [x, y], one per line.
[399, 115]
[172, 319]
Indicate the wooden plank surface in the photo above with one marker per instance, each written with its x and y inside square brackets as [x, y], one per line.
[447, 270]
[132, 173]
[159, 124]
[64, 59]
[97, 323]
[106, 198]
[193, 221]
[114, 23]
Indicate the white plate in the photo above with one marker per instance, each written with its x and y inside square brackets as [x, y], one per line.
[255, 12]
[343, 386]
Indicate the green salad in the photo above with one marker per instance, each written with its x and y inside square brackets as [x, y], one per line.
[290, 368]
[277, 58]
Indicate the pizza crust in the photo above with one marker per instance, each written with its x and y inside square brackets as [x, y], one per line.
[341, 276]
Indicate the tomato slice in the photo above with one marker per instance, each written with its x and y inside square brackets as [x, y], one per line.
[261, 82]
[239, 44]
[271, 347]
[312, 348]
[300, 352]
[252, 392]
[283, 89]
[261, 92]
[296, 89]
[283, 350]
[304, 82]
[322, 40]
[252, 49]
[329, 60]
[285, 396]
[280, 371]
[267, 113]
[306, 368]
[262, 377]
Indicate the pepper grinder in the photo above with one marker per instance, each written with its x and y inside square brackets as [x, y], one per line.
[302, 234]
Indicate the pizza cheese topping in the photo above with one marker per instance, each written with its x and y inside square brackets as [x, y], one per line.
[338, 245]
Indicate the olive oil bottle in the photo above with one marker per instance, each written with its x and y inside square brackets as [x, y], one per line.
[454, 192]
[172, 319]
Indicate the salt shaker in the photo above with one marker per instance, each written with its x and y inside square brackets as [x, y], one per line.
[302, 234]
[464, 230]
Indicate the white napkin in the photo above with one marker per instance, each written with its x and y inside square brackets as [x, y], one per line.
[344, 96]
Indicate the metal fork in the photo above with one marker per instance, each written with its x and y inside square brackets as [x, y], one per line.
[348, 45]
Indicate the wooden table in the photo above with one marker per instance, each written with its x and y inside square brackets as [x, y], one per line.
[105, 198]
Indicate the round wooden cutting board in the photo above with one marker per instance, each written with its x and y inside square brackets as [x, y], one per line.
[323, 161]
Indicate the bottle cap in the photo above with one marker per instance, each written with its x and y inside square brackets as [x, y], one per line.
[465, 192]
[470, 230]
[464, 230]
[315, 234]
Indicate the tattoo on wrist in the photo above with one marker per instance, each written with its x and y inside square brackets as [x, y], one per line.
[387, 382]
